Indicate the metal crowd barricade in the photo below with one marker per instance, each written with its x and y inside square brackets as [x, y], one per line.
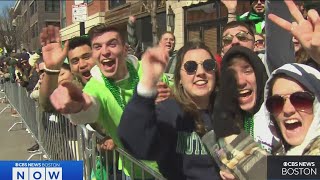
[92, 155]
[3, 96]
[60, 140]
[56, 136]
[2, 81]
[11, 96]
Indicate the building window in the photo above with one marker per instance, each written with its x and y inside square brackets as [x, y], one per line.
[52, 6]
[33, 7]
[35, 30]
[63, 14]
[116, 3]
[144, 29]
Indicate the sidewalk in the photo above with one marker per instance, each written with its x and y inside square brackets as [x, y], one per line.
[14, 144]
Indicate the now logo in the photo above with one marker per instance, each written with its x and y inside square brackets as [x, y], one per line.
[37, 173]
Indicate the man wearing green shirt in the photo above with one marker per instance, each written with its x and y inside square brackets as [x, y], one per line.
[107, 92]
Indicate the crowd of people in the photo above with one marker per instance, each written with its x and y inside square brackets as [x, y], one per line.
[167, 108]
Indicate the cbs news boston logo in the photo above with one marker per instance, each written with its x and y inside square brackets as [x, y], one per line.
[41, 170]
[293, 167]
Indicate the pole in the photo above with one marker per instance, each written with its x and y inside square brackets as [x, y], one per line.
[153, 15]
[82, 29]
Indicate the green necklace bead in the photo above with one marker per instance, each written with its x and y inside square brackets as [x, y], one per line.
[248, 125]
[115, 90]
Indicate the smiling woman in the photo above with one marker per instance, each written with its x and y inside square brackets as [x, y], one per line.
[170, 131]
[292, 97]
[293, 102]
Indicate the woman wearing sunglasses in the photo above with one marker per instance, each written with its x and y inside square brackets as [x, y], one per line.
[293, 94]
[169, 131]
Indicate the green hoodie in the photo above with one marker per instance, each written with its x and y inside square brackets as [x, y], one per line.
[255, 18]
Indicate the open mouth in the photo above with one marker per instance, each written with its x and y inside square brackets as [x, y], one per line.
[292, 124]
[86, 75]
[245, 93]
[245, 96]
[259, 8]
[201, 83]
[108, 63]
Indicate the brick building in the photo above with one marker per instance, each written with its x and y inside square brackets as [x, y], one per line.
[96, 15]
[31, 17]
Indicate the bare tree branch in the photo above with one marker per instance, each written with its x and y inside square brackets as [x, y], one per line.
[8, 34]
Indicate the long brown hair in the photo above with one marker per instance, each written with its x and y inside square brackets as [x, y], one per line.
[181, 97]
[301, 56]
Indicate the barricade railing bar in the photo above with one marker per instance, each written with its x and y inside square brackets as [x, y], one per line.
[59, 139]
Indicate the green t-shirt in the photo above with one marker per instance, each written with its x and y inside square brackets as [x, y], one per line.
[110, 112]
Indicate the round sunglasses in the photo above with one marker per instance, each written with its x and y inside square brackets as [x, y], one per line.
[241, 36]
[301, 101]
[208, 65]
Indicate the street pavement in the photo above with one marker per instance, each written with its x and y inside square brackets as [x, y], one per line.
[13, 144]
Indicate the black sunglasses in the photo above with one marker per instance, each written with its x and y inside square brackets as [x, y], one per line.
[302, 101]
[261, 1]
[208, 65]
[41, 71]
[241, 36]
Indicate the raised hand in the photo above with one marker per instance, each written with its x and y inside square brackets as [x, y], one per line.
[67, 98]
[108, 145]
[306, 31]
[231, 5]
[154, 62]
[53, 54]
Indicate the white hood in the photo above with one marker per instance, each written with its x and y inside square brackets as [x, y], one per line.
[310, 79]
